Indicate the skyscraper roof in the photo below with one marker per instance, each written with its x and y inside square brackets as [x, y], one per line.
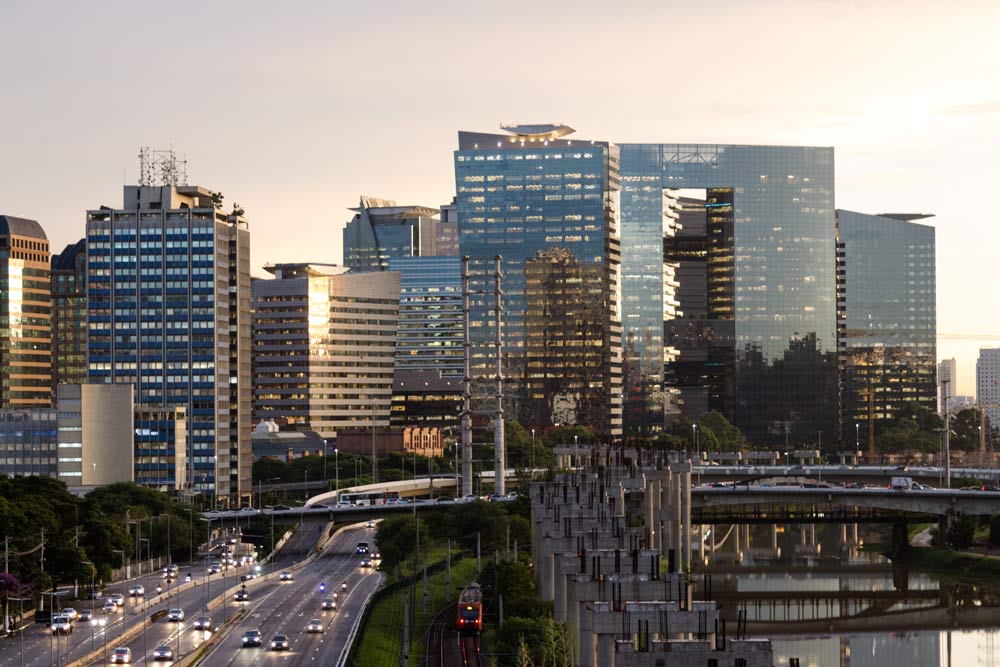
[9, 225]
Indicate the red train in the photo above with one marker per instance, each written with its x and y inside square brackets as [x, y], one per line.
[470, 610]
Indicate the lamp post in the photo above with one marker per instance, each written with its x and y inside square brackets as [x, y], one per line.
[324, 463]
[336, 464]
[532, 451]
[124, 615]
[857, 436]
[149, 554]
[93, 619]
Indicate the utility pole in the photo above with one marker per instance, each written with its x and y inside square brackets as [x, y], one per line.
[947, 442]
[466, 385]
[499, 457]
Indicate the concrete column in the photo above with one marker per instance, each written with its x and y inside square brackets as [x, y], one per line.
[686, 531]
[545, 574]
[559, 589]
[586, 640]
[774, 537]
[650, 514]
[812, 534]
[605, 650]
[711, 534]
[737, 530]
[677, 529]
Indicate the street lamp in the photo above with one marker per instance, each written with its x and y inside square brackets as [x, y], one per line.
[857, 436]
[324, 462]
[532, 450]
[336, 464]
[124, 578]
[93, 617]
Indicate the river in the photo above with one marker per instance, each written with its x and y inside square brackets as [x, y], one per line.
[825, 600]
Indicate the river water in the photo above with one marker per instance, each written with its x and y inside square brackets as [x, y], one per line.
[825, 600]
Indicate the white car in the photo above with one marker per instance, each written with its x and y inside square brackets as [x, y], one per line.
[117, 598]
[61, 624]
[314, 625]
[286, 576]
[69, 611]
[122, 655]
[110, 607]
[175, 615]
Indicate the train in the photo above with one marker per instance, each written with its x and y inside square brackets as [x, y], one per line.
[470, 610]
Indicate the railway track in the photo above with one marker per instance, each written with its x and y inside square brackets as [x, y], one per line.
[471, 655]
[440, 630]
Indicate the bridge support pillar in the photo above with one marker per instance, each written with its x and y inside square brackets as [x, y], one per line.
[774, 537]
[605, 649]
[944, 527]
[900, 539]
[994, 539]
[587, 637]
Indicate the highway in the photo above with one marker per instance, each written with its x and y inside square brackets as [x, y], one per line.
[286, 608]
[40, 648]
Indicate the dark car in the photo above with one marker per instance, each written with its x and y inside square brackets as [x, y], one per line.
[279, 643]
[242, 595]
[445, 499]
[252, 638]
[163, 652]
[203, 623]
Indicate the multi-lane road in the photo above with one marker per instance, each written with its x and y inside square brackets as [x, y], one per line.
[274, 607]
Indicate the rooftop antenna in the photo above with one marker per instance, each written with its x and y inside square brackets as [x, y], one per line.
[161, 167]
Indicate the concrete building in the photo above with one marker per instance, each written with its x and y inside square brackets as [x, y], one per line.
[168, 291]
[988, 384]
[381, 230]
[324, 346]
[887, 318]
[533, 190]
[947, 377]
[86, 440]
[95, 434]
[25, 315]
[271, 442]
[69, 315]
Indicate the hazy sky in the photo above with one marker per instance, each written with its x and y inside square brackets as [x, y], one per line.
[295, 109]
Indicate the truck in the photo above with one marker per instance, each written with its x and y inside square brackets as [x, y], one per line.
[901, 483]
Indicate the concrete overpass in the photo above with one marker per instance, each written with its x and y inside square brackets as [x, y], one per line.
[840, 474]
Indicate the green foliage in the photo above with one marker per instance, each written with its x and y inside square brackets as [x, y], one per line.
[397, 537]
[965, 428]
[522, 453]
[962, 531]
[563, 435]
[720, 433]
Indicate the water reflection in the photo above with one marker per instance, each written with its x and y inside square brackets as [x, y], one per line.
[825, 600]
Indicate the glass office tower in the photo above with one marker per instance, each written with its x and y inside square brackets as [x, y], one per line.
[772, 253]
[522, 195]
[25, 315]
[380, 230]
[168, 297]
[69, 315]
[888, 319]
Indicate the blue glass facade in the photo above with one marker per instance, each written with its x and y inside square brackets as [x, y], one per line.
[782, 279]
[381, 231]
[429, 334]
[521, 195]
[168, 311]
[888, 319]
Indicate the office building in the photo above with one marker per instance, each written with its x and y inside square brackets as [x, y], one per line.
[380, 230]
[408, 441]
[430, 356]
[888, 339]
[988, 384]
[85, 440]
[95, 438]
[69, 315]
[521, 195]
[168, 292]
[947, 390]
[25, 315]
[324, 346]
[447, 231]
[760, 245]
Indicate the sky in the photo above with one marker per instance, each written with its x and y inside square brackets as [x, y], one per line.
[295, 109]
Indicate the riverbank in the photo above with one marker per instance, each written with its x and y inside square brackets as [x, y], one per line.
[957, 564]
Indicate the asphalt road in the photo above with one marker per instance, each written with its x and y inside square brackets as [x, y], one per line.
[286, 608]
[40, 648]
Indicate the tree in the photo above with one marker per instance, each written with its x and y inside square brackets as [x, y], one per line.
[728, 438]
[397, 537]
[965, 426]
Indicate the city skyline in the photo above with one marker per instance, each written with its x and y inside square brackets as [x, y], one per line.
[914, 128]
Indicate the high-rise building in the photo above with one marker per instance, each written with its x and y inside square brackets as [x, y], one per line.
[447, 231]
[69, 315]
[761, 245]
[430, 355]
[168, 293]
[888, 324]
[988, 384]
[947, 390]
[25, 315]
[381, 230]
[530, 191]
[324, 345]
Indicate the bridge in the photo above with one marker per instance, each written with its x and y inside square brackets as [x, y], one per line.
[841, 474]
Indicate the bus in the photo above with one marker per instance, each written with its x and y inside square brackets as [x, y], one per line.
[368, 498]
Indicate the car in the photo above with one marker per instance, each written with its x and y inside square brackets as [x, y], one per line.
[366, 562]
[110, 607]
[314, 625]
[344, 503]
[215, 568]
[252, 638]
[242, 595]
[376, 556]
[136, 591]
[279, 643]
[61, 624]
[246, 577]
[117, 598]
[362, 548]
[203, 623]
[343, 585]
[511, 495]
[286, 576]
[286, 508]
[445, 499]
[495, 497]
[370, 524]
[85, 616]
[121, 655]
[248, 510]
[163, 652]
[175, 615]
[69, 611]
[329, 604]
[392, 501]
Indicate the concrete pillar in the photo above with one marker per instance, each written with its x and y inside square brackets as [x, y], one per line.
[686, 530]
[711, 533]
[812, 534]
[736, 536]
[605, 650]
[774, 537]
[650, 499]
[545, 574]
[677, 529]
[586, 640]
[559, 588]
